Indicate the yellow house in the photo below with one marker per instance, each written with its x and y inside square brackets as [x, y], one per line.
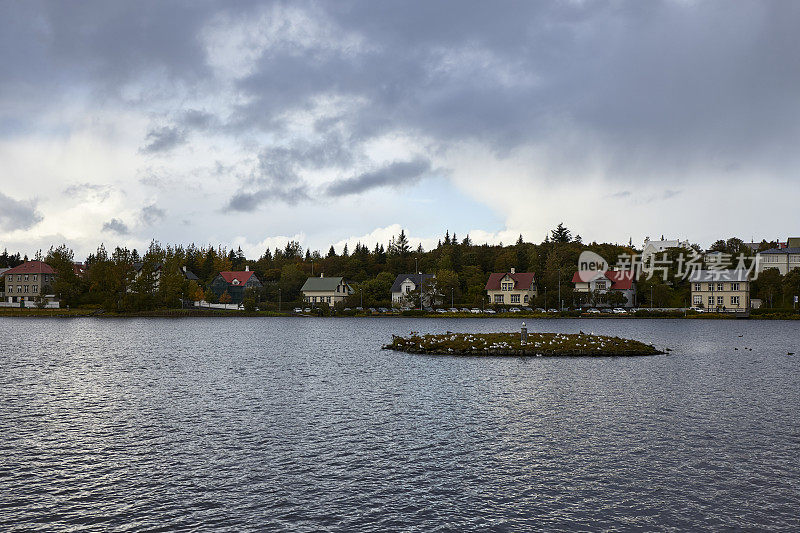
[724, 291]
[326, 290]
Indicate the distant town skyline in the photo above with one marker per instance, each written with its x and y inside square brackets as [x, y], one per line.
[250, 124]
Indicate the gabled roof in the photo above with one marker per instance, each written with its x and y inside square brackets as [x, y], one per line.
[621, 280]
[32, 267]
[522, 280]
[781, 251]
[323, 284]
[188, 274]
[415, 279]
[243, 276]
[719, 275]
[139, 265]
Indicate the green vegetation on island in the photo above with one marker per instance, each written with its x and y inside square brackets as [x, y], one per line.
[510, 344]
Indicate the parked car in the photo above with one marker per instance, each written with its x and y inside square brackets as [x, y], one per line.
[594, 311]
[298, 310]
[514, 310]
[540, 310]
[620, 311]
[452, 310]
[373, 310]
[475, 311]
[489, 311]
[441, 311]
[307, 310]
[465, 310]
[551, 310]
[383, 310]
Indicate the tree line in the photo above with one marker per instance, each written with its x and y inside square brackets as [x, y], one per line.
[461, 267]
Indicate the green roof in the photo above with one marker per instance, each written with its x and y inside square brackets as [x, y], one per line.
[322, 284]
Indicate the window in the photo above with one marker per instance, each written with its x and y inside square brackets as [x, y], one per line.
[10, 288]
[735, 301]
[720, 300]
[720, 286]
[498, 298]
[710, 301]
[526, 298]
[697, 300]
[698, 287]
[734, 286]
[600, 285]
[711, 286]
[34, 288]
[515, 298]
[19, 277]
[26, 277]
[26, 288]
[507, 286]
[34, 277]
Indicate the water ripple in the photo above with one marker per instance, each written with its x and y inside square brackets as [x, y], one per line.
[306, 425]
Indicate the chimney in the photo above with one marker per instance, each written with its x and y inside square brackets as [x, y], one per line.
[247, 268]
[513, 270]
[184, 268]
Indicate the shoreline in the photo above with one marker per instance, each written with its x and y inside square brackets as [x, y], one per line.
[11, 312]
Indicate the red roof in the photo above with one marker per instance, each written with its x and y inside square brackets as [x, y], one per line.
[32, 267]
[620, 279]
[522, 280]
[241, 275]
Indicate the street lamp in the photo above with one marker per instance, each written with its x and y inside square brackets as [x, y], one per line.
[559, 290]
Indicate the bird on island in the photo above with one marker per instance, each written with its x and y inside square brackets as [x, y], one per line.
[789, 353]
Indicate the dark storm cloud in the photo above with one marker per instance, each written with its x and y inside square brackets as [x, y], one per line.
[151, 214]
[17, 214]
[250, 201]
[276, 176]
[648, 89]
[196, 119]
[163, 139]
[117, 226]
[394, 175]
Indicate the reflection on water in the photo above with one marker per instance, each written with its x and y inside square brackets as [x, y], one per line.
[305, 424]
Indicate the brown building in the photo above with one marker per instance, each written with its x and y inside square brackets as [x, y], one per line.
[28, 281]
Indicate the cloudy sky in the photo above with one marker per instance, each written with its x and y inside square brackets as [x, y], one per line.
[248, 123]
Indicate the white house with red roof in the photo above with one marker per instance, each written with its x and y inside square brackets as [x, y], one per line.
[622, 281]
[511, 288]
[234, 282]
[28, 281]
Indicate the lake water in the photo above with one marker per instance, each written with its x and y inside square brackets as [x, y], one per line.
[306, 425]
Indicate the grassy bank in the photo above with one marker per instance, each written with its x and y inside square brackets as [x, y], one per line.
[509, 344]
[201, 312]
[156, 313]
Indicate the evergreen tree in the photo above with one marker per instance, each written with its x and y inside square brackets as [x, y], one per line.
[561, 234]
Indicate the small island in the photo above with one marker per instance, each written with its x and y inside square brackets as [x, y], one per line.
[509, 344]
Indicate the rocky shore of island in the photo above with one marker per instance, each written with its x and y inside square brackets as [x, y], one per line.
[511, 344]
